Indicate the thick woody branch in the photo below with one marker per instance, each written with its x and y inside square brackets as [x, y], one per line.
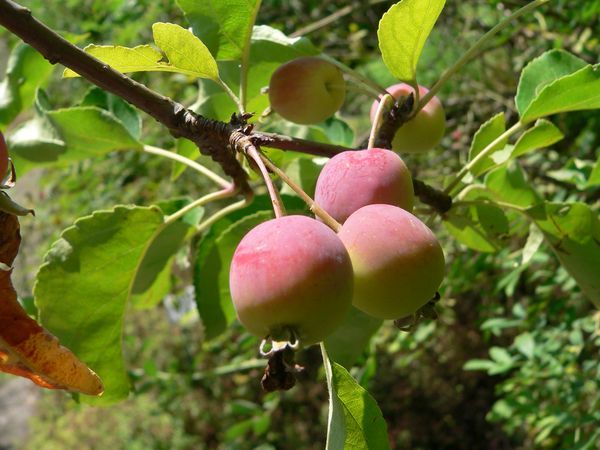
[210, 136]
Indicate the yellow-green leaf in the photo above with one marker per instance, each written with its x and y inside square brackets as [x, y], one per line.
[185, 51]
[402, 33]
[124, 59]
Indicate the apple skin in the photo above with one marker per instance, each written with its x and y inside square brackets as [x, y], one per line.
[425, 130]
[3, 157]
[292, 272]
[398, 262]
[307, 90]
[353, 179]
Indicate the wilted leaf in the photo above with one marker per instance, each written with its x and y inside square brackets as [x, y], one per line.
[27, 349]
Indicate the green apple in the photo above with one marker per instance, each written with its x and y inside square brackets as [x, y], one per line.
[398, 262]
[424, 131]
[307, 90]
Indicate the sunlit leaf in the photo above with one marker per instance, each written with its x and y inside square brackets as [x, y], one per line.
[356, 422]
[83, 287]
[542, 135]
[541, 71]
[487, 133]
[223, 25]
[185, 54]
[185, 51]
[573, 231]
[576, 92]
[402, 33]
[27, 349]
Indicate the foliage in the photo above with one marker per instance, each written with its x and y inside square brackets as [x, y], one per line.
[522, 239]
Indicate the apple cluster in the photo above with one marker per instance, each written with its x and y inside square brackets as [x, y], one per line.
[294, 278]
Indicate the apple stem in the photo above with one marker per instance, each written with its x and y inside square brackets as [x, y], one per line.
[375, 89]
[316, 209]
[224, 211]
[384, 106]
[222, 182]
[278, 207]
[480, 156]
[213, 196]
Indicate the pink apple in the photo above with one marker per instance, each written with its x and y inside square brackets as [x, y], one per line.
[353, 179]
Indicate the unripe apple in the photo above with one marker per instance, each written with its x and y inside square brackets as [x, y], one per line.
[398, 262]
[3, 157]
[353, 179]
[291, 274]
[424, 131]
[307, 90]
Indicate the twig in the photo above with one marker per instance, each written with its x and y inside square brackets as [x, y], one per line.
[210, 136]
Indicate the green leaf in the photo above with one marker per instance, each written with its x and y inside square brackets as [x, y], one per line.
[509, 185]
[573, 231]
[223, 25]
[185, 51]
[576, 92]
[525, 344]
[594, 178]
[361, 426]
[119, 108]
[36, 142]
[152, 281]
[481, 227]
[402, 33]
[487, 133]
[126, 60]
[479, 364]
[304, 172]
[350, 339]
[83, 286]
[211, 273]
[89, 131]
[543, 70]
[542, 135]
[26, 71]
[534, 240]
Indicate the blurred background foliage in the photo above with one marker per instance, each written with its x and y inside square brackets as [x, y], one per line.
[511, 363]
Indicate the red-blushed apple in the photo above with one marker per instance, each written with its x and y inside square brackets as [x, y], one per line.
[291, 277]
[424, 131]
[398, 262]
[307, 90]
[353, 179]
[3, 157]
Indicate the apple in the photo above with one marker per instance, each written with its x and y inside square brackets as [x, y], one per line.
[398, 262]
[353, 179]
[307, 90]
[424, 131]
[291, 277]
